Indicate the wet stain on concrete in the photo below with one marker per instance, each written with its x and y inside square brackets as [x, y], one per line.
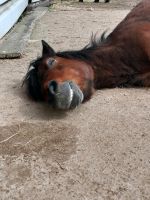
[54, 140]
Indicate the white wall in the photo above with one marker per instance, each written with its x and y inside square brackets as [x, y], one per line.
[10, 13]
[2, 1]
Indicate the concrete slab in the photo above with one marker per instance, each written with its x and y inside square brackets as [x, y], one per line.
[99, 151]
[15, 42]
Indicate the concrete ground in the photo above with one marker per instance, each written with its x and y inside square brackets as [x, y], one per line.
[99, 151]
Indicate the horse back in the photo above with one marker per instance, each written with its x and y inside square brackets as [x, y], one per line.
[137, 19]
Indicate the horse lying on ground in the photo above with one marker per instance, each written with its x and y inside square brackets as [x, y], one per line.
[97, 1]
[66, 79]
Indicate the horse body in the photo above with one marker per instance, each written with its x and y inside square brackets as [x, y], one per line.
[123, 58]
[120, 60]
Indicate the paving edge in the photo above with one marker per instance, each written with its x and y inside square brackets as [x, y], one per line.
[14, 43]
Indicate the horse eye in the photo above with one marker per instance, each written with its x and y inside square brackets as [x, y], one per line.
[50, 62]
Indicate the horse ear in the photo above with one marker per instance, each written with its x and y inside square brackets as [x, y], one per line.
[47, 50]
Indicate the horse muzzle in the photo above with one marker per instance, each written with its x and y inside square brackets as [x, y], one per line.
[66, 95]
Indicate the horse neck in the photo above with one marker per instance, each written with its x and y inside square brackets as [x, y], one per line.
[103, 57]
[108, 65]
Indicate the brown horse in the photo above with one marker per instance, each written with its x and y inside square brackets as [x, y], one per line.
[122, 59]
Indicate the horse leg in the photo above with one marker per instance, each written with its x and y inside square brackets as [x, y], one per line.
[97, 1]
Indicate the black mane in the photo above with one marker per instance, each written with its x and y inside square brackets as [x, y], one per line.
[83, 54]
[32, 81]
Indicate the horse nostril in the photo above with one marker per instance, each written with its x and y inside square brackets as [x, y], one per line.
[53, 85]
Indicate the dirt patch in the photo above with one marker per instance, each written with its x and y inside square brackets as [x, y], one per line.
[57, 141]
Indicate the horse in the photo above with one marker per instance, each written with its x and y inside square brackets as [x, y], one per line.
[65, 79]
[96, 1]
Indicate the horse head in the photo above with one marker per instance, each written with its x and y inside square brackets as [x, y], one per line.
[63, 82]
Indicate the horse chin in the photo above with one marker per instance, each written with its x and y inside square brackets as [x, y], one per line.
[68, 96]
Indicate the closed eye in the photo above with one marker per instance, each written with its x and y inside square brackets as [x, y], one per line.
[51, 62]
